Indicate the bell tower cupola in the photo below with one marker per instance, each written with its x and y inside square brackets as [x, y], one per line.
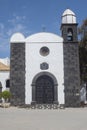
[69, 26]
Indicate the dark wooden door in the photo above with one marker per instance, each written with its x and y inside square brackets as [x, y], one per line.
[44, 90]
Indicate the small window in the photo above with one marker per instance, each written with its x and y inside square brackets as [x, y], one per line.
[44, 66]
[8, 83]
[0, 87]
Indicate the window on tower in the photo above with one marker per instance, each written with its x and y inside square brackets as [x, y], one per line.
[70, 34]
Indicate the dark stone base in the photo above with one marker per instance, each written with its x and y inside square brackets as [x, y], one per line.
[72, 101]
[17, 73]
[71, 75]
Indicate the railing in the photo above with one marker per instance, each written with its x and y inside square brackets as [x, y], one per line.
[44, 106]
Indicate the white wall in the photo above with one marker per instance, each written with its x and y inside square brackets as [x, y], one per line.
[4, 75]
[55, 61]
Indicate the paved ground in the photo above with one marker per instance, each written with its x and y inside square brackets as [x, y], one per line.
[24, 119]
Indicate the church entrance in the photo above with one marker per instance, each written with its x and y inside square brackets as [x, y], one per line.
[44, 90]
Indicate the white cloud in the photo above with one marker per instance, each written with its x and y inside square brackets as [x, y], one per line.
[17, 28]
[16, 24]
[1, 26]
[16, 19]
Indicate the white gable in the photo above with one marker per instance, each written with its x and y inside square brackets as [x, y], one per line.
[44, 37]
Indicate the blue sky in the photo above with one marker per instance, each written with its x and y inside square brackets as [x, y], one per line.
[30, 16]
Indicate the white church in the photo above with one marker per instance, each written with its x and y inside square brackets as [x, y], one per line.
[44, 67]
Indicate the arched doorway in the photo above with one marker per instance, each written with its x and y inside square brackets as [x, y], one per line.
[44, 89]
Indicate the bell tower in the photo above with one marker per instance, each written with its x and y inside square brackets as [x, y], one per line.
[69, 26]
[71, 58]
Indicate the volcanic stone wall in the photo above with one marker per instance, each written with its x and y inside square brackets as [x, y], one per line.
[17, 73]
[71, 74]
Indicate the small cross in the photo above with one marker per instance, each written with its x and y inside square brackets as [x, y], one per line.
[43, 28]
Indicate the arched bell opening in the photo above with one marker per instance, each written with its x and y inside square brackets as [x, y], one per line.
[70, 34]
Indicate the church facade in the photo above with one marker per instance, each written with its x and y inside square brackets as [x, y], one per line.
[44, 67]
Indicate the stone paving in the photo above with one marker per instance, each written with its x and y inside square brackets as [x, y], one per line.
[14, 118]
